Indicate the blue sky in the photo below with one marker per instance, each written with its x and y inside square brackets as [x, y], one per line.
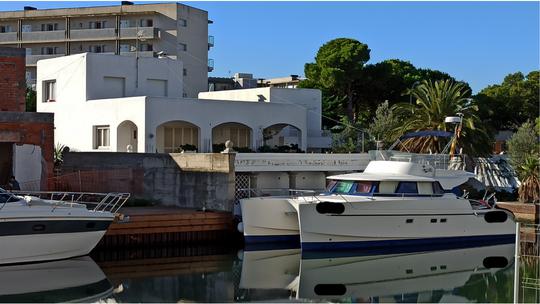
[478, 42]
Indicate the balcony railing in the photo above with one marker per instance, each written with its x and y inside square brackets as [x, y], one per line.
[31, 60]
[139, 32]
[44, 36]
[210, 65]
[141, 53]
[210, 41]
[89, 34]
[10, 37]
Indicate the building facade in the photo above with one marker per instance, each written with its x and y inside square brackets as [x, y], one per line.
[117, 103]
[143, 30]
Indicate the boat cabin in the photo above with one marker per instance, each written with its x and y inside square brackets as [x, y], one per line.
[385, 188]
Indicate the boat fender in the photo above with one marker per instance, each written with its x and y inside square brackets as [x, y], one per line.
[240, 227]
[495, 262]
[496, 217]
[330, 289]
[332, 208]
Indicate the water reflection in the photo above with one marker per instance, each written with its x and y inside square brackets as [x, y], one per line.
[217, 274]
[73, 280]
[440, 276]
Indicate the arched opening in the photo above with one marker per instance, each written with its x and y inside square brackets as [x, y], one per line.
[281, 138]
[177, 136]
[127, 135]
[238, 133]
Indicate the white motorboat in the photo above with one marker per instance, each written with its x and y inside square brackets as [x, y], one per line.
[275, 219]
[34, 229]
[73, 280]
[396, 204]
[425, 276]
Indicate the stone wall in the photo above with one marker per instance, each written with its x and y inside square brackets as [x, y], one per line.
[182, 180]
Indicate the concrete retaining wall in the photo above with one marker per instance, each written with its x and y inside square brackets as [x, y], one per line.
[182, 180]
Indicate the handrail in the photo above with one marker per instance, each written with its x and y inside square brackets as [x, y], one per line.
[97, 202]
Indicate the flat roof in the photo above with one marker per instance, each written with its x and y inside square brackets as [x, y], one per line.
[38, 13]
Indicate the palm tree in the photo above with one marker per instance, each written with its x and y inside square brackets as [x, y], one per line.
[529, 190]
[434, 102]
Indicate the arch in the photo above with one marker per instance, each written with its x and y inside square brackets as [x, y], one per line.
[177, 136]
[282, 134]
[127, 137]
[238, 133]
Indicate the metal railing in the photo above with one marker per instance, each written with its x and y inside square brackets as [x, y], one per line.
[97, 202]
[437, 161]
[527, 263]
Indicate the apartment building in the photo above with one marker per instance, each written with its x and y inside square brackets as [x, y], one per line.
[145, 30]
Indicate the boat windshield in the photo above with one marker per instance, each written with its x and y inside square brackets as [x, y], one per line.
[349, 187]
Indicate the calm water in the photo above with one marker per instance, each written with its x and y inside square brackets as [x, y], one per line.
[208, 274]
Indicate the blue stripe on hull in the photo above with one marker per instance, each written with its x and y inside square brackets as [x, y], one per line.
[271, 242]
[425, 244]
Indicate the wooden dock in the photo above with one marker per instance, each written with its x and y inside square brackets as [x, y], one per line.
[167, 225]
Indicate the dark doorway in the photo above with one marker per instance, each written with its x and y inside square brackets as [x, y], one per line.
[6, 162]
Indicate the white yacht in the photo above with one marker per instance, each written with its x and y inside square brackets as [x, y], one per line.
[390, 203]
[33, 229]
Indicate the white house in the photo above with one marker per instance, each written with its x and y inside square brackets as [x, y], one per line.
[118, 103]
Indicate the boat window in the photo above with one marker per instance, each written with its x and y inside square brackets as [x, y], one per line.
[342, 187]
[362, 187]
[437, 188]
[407, 187]
[331, 185]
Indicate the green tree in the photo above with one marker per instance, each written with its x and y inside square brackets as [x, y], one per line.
[523, 144]
[434, 101]
[386, 124]
[338, 67]
[511, 103]
[30, 100]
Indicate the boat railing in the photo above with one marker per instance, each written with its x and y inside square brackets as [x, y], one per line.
[437, 161]
[285, 192]
[98, 202]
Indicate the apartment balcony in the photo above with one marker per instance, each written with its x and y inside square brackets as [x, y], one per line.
[93, 34]
[31, 60]
[43, 36]
[139, 32]
[141, 53]
[210, 42]
[210, 65]
[10, 37]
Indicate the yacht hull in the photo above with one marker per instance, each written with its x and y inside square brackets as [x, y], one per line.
[269, 220]
[38, 240]
[364, 225]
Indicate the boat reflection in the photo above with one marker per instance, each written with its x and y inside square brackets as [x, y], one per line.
[434, 276]
[73, 280]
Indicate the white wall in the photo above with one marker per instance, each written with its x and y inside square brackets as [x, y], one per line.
[207, 114]
[27, 165]
[310, 99]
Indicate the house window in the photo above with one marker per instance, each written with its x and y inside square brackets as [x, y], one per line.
[102, 137]
[183, 46]
[49, 50]
[146, 47]
[5, 28]
[49, 90]
[49, 26]
[96, 24]
[147, 22]
[184, 72]
[182, 22]
[96, 48]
